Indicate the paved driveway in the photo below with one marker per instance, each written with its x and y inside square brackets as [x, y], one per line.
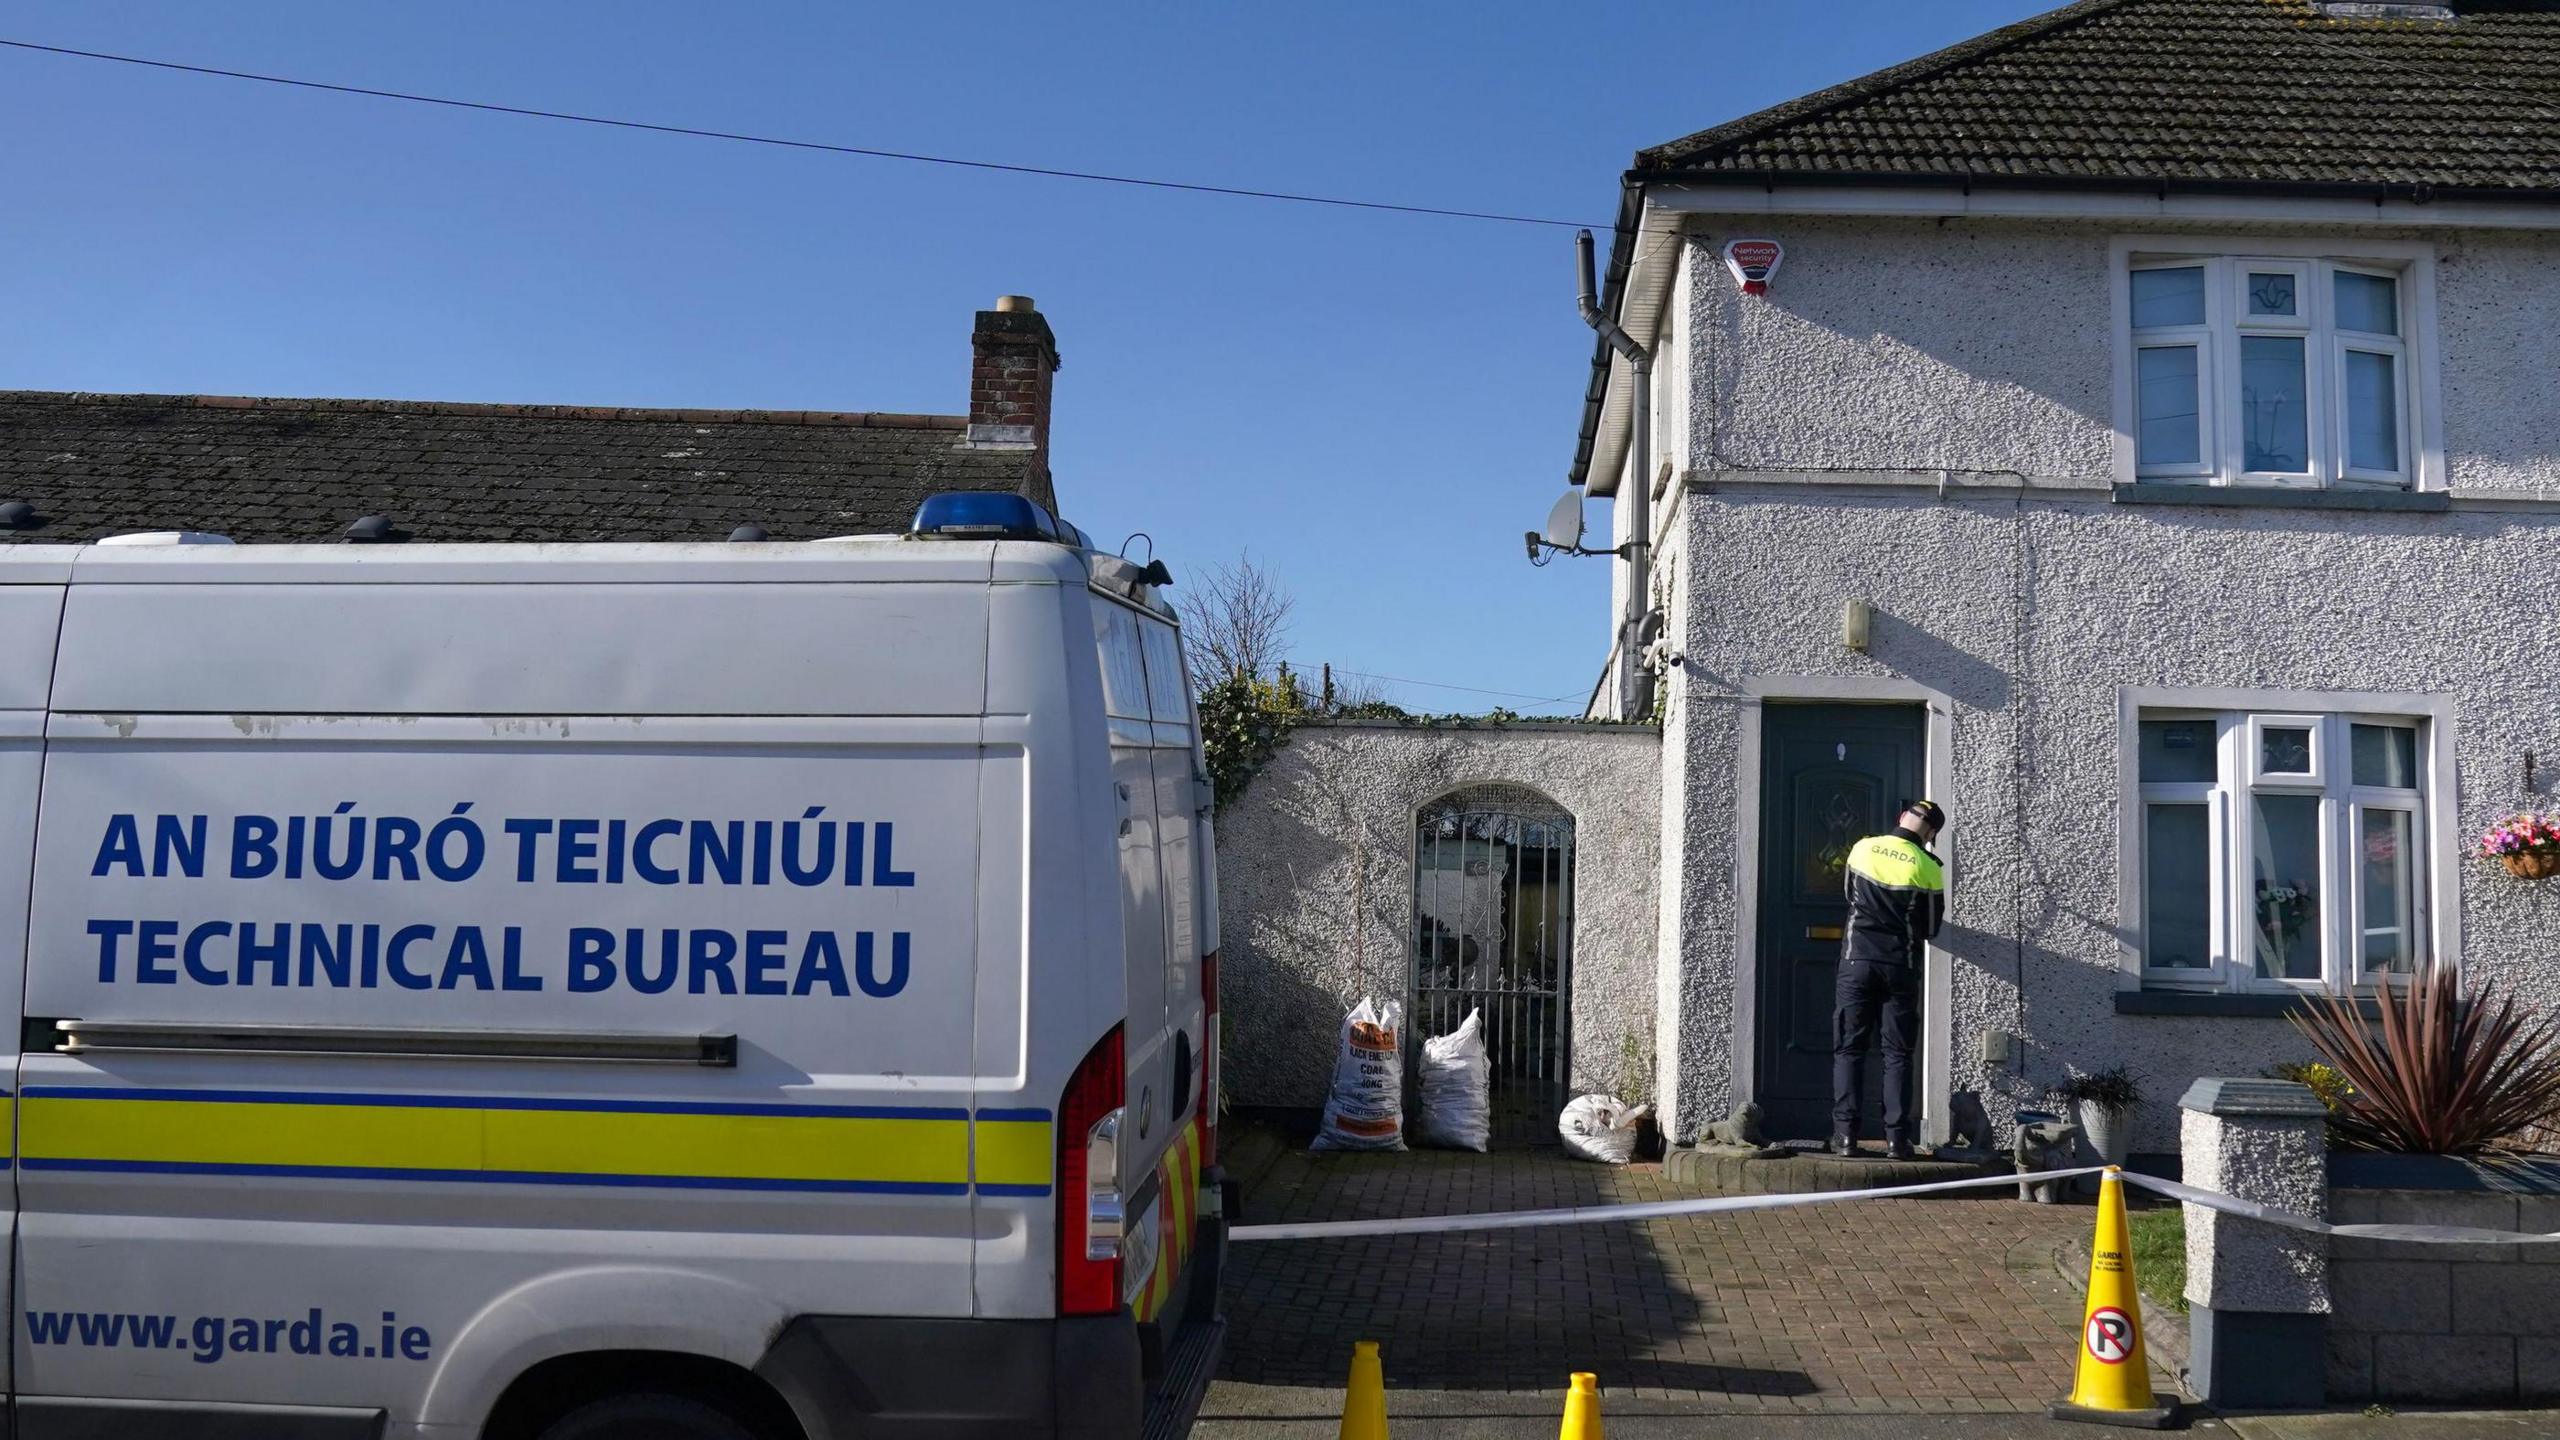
[1908, 1307]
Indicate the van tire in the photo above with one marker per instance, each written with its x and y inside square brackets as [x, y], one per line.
[648, 1417]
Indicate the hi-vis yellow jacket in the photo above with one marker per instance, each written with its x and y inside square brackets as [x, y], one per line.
[1897, 898]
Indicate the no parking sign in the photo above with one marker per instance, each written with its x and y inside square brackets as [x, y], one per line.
[2110, 1335]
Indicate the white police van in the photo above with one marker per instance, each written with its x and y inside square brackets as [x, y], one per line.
[543, 992]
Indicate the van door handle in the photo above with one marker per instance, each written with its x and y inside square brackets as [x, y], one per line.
[1124, 808]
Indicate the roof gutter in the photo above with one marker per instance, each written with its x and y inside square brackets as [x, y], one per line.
[2414, 192]
[1613, 296]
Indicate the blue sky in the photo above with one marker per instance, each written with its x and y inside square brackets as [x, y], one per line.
[1374, 405]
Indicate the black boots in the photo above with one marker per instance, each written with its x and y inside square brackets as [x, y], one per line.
[1843, 1145]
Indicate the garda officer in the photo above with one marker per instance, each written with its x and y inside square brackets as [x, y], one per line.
[1897, 896]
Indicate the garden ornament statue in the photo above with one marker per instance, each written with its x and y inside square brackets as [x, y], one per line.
[2045, 1142]
[1969, 1129]
[1739, 1134]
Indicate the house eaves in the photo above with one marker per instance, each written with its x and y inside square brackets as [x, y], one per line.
[2193, 107]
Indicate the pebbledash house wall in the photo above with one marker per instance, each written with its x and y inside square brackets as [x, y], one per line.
[1919, 414]
[1316, 889]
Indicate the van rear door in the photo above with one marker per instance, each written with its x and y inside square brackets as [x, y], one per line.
[439, 991]
[1145, 1045]
[1185, 1031]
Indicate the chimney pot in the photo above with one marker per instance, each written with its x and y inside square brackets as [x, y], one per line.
[1012, 372]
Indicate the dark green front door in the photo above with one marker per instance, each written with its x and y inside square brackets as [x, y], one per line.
[1830, 775]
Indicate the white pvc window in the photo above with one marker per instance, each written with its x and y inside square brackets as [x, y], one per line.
[2280, 851]
[2268, 371]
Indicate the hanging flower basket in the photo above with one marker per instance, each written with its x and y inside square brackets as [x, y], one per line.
[2533, 864]
[2527, 844]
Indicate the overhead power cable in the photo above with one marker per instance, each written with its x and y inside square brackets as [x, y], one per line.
[826, 147]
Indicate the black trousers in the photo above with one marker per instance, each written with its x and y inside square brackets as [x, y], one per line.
[1869, 992]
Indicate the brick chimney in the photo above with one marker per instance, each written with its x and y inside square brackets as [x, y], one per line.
[1015, 362]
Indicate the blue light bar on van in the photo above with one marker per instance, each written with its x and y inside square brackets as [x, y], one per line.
[990, 515]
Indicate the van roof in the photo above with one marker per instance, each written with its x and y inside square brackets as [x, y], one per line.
[864, 560]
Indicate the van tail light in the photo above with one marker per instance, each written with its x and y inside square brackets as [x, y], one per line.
[1091, 1210]
[1209, 1060]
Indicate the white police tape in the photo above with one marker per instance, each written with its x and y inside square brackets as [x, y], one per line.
[1732, 1204]
[1601, 1214]
[2415, 1234]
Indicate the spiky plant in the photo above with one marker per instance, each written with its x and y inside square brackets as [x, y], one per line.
[2444, 1073]
[2113, 1090]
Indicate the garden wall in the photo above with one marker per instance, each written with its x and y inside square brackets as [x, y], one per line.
[1316, 883]
[2443, 1324]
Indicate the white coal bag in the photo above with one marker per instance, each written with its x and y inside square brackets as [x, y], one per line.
[1365, 1108]
[1602, 1128]
[1457, 1089]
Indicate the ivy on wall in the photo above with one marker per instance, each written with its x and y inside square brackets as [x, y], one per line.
[1244, 720]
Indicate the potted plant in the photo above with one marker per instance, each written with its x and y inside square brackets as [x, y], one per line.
[2103, 1101]
[2526, 843]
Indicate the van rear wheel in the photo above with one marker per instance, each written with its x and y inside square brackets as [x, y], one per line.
[649, 1417]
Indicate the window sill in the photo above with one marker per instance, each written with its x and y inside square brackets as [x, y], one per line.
[2274, 497]
[2223, 1003]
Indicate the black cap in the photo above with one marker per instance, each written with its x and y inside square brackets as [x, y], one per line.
[1927, 810]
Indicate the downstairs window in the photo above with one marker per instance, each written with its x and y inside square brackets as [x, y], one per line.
[2281, 850]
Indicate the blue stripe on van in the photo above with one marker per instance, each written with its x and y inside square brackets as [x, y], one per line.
[496, 1177]
[1041, 1115]
[504, 1102]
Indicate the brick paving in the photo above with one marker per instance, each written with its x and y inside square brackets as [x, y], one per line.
[1906, 1306]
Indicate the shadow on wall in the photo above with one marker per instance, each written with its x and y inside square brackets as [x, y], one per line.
[1923, 307]
[1282, 1058]
[1323, 926]
[1920, 655]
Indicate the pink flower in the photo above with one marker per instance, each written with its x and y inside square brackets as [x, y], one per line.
[2519, 833]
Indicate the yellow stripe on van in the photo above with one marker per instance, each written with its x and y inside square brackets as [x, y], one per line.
[1177, 1220]
[1015, 1156]
[895, 1150]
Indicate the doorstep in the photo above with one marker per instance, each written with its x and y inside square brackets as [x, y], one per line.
[1802, 1172]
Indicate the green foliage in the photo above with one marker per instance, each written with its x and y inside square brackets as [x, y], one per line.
[2112, 1089]
[1243, 722]
[1631, 1079]
[1245, 719]
[2160, 1254]
[2323, 1081]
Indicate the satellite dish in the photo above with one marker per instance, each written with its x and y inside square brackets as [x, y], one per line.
[1564, 523]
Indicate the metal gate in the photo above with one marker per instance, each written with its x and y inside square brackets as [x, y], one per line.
[1493, 932]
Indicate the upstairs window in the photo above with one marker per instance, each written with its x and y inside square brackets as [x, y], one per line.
[2278, 371]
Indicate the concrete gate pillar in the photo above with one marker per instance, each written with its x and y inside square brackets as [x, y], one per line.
[2257, 1295]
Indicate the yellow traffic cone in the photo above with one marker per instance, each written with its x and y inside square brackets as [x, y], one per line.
[1364, 1405]
[2113, 1386]
[1582, 1408]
